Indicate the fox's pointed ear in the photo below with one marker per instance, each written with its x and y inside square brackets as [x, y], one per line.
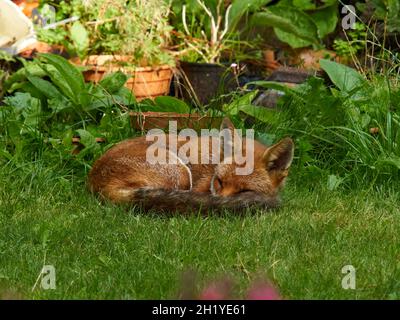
[227, 124]
[231, 139]
[280, 155]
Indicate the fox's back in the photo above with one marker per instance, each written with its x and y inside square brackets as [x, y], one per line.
[125, 167]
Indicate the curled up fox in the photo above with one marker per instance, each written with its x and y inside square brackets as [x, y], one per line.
[196, 172]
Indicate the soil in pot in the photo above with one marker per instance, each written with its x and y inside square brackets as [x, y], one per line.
[202, 82]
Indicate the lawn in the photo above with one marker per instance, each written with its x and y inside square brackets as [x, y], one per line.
[103, 251]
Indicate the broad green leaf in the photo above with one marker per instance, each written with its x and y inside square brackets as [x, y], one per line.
[270, 85]
[171, 104]
[127, 96]
[304, 4]
[58, 105]
[32, 115]
[113, 82]
[71, 75]
[89, 141]
[80, 38]
[30, 88]
[240, 8]
[291, 25]
[107, 101]
[234, 107]
[19, 101]
[260, 113]
[86, 138]
[67, 138]
[243, 104]
[45, 87]
[326, 20]
[32, 68]
[344, 77]
[57, 80]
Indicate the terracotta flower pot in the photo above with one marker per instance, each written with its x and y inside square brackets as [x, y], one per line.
[150, 82]
[27, 6]
[145, 82]
[160, 120]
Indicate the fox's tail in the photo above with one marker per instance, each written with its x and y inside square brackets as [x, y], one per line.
[186, 200]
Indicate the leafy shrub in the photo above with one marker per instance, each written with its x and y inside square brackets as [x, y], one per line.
[138, 29]
[356, 41]
[349, 133]
[48, 104]
[299, 23]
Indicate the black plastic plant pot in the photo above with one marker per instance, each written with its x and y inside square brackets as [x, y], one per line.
[204, 81]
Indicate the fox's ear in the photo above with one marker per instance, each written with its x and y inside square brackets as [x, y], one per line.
[228, 132]
[227, 124]
[280, 155]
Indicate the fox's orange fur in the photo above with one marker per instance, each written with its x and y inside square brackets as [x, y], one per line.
[123, 175]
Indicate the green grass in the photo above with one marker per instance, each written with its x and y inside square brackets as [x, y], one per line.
[103, 251]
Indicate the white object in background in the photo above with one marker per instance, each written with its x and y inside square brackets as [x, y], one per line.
[16, 30]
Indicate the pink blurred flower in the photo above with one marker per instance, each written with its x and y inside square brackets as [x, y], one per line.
[219, 290]
[263, 291]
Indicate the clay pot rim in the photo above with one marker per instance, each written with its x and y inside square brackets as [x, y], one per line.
[166, 114]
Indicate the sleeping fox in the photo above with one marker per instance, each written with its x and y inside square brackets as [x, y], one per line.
[124, 173]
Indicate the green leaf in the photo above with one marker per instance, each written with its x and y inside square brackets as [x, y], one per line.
[86, 138]
[291, 25]
[234, 107]
[32, 115]
[270, 85]
[57, 105]
[243, 104]
[126, 96]
[19, 101]
[260, 113]
[89, 142]
[71, 75]
[29, 88]
[304, 4]
[171, 104]
[240, 8]
[113, 82]
[45, 87]
[344, 77]
[80, 38]
[62, 85]
[326, 20]
[32, 68]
